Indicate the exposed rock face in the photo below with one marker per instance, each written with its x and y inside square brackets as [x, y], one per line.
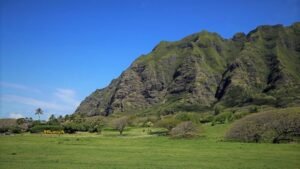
[262, 67]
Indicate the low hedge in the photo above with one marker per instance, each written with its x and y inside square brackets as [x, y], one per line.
[41, 128]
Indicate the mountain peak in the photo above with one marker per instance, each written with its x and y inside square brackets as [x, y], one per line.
[204, 69]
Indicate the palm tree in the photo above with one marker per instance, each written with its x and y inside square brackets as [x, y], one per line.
[39, 112]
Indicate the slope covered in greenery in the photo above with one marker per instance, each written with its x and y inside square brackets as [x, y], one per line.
[204, 70]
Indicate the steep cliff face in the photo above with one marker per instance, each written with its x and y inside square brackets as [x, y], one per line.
[195, 73]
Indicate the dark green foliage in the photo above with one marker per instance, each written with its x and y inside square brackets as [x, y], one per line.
[273, 126]
[218, 109]
[263, 100]
[206, 119]
[95, 125]
[36, 122]
[53, 120]
[188, 116]
[72, 127]
[79, 123]
[223, 118]
[253, 109]
[239, 115]
[183, 117]
[67, 117]
[41, 128]
[4, 129]
[21, 121]
[15, 129]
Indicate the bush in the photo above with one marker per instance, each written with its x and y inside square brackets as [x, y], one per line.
[252, 109]
[273, 126]
[183, 117]
[223, 118]
[167, 123]
[94, 125]
[218, 109]
[264, 100]
[15, 129]
[206, 118]
[72, 127]
[184, 130]
[239, 115]
[188, 116]
[95, 128]
[4, 129]
[41, 128]
[21, 121]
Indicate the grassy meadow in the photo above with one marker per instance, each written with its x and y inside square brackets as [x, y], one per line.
[137, 149]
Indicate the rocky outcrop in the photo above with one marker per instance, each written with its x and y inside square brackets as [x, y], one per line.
[203, 69]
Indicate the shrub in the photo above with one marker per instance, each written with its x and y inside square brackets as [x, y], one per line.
[183, 117]
[188, 116]
[15, 129]
[95, 128]
[253, 109]
[78, 123]
[41, 128]
[184, 130]
[273, 126]
[94, 125]
[72, 127]
[264, 100]
[99, 128]
[239, 115]
[4, 129]
[21, 121]
[167, 123]
[206, 118]
[223, 118]
[218, 109]
[77, 118]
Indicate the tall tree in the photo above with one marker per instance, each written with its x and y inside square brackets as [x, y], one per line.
[39, 112]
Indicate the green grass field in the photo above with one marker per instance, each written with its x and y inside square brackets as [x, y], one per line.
[138, 150]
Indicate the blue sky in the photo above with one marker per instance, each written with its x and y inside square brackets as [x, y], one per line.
[53, 53]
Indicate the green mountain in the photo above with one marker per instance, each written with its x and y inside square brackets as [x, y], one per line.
[204, 69]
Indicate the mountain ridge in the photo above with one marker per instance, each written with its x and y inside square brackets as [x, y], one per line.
[204, 69]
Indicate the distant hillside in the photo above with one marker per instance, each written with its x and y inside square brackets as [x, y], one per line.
[204, 69]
